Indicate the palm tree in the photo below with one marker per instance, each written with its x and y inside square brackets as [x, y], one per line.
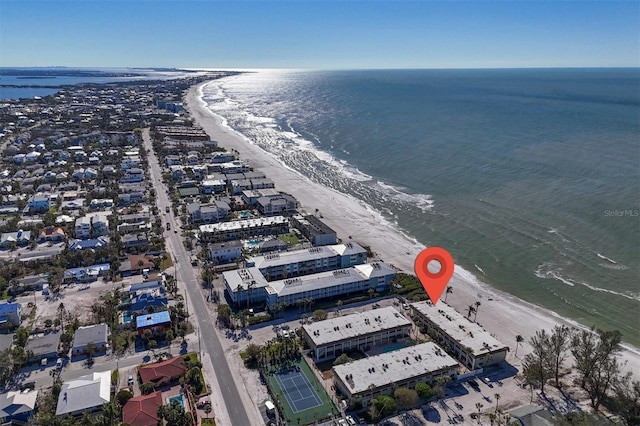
[475, 315]
[470, 310]
[519, 339]
[447, 292]
[479, 406]
[61, 314]
[497, 397]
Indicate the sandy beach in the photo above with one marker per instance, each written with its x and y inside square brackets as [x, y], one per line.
[501, 314]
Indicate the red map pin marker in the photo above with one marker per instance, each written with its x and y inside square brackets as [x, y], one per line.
[434, 283]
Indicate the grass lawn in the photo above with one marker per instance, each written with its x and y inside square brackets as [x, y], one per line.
[290, 239]
[166, 263]
[310, 415]
[208, 422]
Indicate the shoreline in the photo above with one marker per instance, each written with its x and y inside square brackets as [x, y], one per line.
[502, 314]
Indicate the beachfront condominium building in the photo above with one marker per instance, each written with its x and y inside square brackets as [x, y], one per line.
[362, 380]
[291, 264]
[314, 230]
[248, 286]
[244, 229]
[471, 344]
[356, 332]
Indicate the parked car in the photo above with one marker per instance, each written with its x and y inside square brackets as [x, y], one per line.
[59, 363]
[130, 380]
[351, 421]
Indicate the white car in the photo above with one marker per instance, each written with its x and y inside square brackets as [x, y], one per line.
[59, 363]
[351, 421]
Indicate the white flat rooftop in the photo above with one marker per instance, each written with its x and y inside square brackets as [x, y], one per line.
[305, 255]
[240, 224]
[392, 367]
[349, 326]
[330, 278]
[459, 328]
[242, 278]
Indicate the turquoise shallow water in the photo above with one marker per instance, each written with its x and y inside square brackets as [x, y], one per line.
[530, 178]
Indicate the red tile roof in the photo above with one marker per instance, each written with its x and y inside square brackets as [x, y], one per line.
[142, 410]
[164, 371]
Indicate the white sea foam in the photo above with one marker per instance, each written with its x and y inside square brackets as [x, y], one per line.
[423, 201]
[606, 258]
[546, 271]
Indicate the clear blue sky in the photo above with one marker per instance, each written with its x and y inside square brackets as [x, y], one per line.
[319, 34]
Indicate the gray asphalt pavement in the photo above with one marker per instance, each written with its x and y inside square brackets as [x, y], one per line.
[200, 315]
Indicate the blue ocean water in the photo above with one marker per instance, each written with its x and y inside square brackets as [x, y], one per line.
[530, 178]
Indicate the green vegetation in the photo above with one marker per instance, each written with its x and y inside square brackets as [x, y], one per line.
[409, 286]
[424, 391]
[382, 406]
[595, 354]
[342, 359]
[405, 398]
[290, 239]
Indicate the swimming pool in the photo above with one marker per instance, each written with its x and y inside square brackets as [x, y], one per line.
[176, 398]
[394, 348]
[252, 244]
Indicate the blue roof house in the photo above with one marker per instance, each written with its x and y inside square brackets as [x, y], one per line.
[156, 322]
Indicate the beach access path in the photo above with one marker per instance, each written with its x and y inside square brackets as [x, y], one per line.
[503, 315]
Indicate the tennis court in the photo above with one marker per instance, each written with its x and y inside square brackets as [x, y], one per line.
[300, 395]
[298, 391]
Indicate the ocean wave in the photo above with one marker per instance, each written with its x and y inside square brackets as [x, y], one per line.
[423, 201]
[546, 271]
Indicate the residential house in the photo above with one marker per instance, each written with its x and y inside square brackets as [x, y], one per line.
[146, 287]
[134, 264]
[43, 346]
[283, 204]
[17, 407]
[173, 160]
[213, 186]
[53, 234]
[28, 283]
[85, 394]
[164, 372]
[130, 198]
[83, 227]
[97, 334]
[222, 157]
[134, 242]
[100, 224]
[208, 213]
[20, 238]
[157, 322]
[144, 302]
[101, 203]
[133, 175]
[78, 174]
[227, 252]
[142, 410]
[10, 314]
[94, 243]
[90, 173]
[39, 203]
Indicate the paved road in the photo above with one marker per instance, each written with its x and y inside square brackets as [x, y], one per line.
[200, 316]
